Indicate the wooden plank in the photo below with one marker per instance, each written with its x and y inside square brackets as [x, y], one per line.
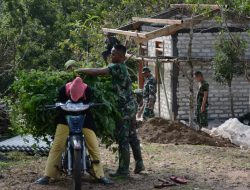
[126, 33]
[169, 30]
[156, 20]
[165, 31]
[136, 25]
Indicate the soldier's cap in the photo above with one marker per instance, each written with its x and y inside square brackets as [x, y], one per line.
[146, 69]
[70, 63]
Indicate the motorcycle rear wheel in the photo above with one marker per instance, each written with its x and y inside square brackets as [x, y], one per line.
[76, 175]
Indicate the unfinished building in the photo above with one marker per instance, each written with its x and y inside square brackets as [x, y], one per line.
[165, 37]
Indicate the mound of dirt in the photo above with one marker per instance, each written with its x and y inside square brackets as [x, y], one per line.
[158, 130]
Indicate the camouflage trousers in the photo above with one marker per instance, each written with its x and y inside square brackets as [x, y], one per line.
[126, 137]
[148, 113]
[201, 117]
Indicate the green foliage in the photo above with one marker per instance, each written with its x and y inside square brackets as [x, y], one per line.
[238, 6]
[42, 34]
[229, 51]
[35, 89]
[228, 58]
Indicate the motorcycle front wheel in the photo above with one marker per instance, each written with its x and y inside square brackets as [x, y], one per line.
[76, 175]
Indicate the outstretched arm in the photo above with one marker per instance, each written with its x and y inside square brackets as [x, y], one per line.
[94, 71]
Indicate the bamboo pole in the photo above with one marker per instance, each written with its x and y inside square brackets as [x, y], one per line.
[158, 88]
[166, 96]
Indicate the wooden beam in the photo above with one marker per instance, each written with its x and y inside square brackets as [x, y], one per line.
[126, 33]
[158, 21]
[169, 30]
[151, 59]
[165, 31]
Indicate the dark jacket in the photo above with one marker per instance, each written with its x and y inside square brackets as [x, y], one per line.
[62, 97]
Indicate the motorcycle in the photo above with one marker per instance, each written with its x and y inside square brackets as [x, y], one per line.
[75, 160]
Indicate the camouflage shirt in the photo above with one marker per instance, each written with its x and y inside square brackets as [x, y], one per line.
[204, 87]
[149, 89]
[123, 87]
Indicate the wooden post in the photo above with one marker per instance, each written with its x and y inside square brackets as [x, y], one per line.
[140, 77]
[140, 66]
[158, 87]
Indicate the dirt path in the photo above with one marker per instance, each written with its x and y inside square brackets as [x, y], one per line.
[206, 167]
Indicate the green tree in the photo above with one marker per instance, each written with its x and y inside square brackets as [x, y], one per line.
[227, 62]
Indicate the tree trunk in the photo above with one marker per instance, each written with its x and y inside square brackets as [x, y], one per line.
[231, 98]
[190, 77]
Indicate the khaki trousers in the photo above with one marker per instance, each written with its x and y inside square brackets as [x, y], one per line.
[58, 146]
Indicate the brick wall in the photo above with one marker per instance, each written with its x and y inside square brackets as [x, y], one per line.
[203, 44]
[203, 47]
[168, 50]
[218, 94]
[219, 105]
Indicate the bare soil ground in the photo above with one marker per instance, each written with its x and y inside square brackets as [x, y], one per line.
[206, 167]
[180, 151]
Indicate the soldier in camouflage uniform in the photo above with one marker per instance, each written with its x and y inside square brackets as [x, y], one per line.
[126, 128]
[149, 95]
[202, 100]
[110, 42]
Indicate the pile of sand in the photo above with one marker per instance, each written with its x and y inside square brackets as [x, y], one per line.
[158, 130]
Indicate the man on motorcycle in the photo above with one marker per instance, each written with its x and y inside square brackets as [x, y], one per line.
[76, 91]
[126, 130]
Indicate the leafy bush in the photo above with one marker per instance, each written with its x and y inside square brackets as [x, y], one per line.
[33, 90]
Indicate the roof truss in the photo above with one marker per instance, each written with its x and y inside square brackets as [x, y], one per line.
[171, 26]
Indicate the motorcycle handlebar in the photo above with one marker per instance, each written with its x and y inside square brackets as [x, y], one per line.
[49, 107]
[54, 106]
[97, 104]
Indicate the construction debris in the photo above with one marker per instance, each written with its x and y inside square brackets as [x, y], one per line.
[27, 144]
[235, 131]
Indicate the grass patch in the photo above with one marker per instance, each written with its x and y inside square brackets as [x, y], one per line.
[12, 159]
[4, 165]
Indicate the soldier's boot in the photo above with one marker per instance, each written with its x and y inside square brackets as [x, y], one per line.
[124, 160]
[139, 166]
